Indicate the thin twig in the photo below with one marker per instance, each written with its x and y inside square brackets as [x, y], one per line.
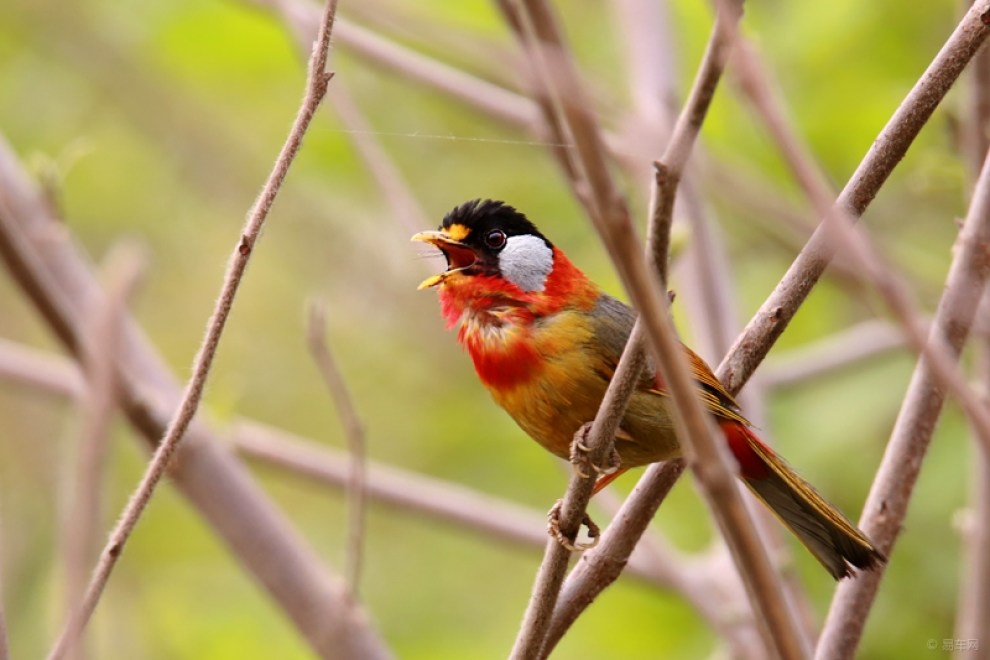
[58, 280]
[885, 153]
[708, 286]
[498, 102]
[317, 82]
[644, 32]
[558, 92]
[407, 23]
[123, 268]
[841, 350]
[556, 132]
[853, 243]
[887, 502]
[941, 357]
[712, 280]
[302, 22]
[760, 91]
[468, 510]
[356, 443]
[976, 134]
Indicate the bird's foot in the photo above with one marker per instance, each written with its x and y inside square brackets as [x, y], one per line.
[553, 528]
[581, 461]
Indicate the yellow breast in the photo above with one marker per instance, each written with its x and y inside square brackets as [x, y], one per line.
[563, 386]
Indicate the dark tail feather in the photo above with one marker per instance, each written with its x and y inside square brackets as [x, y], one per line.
[828, 534]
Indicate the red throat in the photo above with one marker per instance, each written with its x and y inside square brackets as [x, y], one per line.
[495, 317]
[566, 286]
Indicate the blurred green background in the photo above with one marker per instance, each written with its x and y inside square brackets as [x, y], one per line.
[159, 121]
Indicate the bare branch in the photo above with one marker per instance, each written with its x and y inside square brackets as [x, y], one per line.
[58, 280]
[614, 227]
[759, 90]
[302, 21]
[123, 268]
[884, 154]
[497, 519]
[847, 621]
[561, 92]
[838, 351]
[887, 503]
[644, 32]
[941, 356]
[662, 201]
[356, 443]
[316, 89]
[42, 373]
[556, 131]
[976, 136]
[498, 102]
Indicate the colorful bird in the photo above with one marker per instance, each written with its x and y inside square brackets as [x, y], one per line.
[545, 341]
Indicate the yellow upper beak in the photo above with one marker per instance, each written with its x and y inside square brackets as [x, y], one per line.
[433, 237]
[448, 245]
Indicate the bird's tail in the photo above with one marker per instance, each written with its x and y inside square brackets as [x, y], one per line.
[828, 534]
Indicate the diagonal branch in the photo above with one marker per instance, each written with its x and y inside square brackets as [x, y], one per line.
[57, 278]
[711, 463]
[885, 153]
[841, 350]
[939, 351]
[603, 565]
[500, 103]
[497, 519]
[887, 503]
[316, 90]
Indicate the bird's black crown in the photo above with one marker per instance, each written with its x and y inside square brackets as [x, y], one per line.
[480, 216]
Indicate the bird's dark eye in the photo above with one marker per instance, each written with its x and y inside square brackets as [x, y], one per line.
[495, 239]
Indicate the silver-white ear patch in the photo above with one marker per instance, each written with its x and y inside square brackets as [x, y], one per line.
[526, 261]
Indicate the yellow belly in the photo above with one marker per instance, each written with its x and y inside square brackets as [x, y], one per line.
[565, 391]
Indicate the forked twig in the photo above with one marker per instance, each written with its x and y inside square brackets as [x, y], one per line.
[317, 82]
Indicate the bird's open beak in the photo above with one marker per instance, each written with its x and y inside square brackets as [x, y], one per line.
[459, 256]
